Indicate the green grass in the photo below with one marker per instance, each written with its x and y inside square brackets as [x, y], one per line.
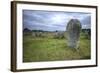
[50, 49]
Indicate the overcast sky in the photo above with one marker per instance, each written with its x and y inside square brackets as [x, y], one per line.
[53, 20]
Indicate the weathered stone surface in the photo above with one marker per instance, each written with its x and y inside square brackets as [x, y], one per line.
[73, 33]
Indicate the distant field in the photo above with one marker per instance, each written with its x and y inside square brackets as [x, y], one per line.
[51, 49]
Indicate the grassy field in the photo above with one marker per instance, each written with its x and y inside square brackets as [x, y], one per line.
[51, 49]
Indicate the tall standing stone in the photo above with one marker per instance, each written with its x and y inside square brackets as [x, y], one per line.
[73, 33]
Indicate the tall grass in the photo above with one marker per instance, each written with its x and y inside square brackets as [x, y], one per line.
[50, 49]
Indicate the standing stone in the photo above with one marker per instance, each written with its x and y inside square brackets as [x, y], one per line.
[59, 35]
[33, 34]
[73, 33]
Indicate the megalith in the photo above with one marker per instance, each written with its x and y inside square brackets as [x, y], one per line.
[73, 33]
